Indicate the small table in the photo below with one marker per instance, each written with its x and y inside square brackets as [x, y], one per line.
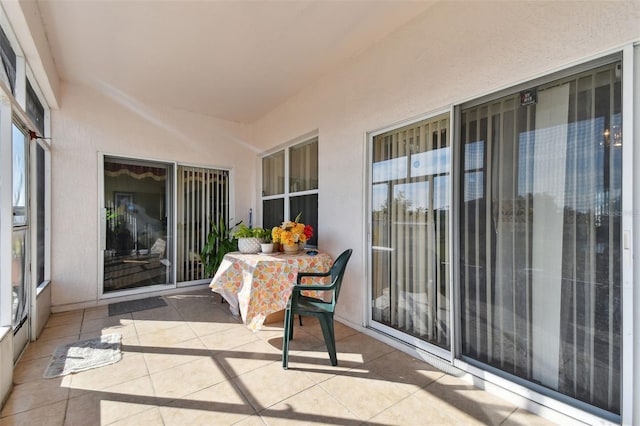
[256, 285]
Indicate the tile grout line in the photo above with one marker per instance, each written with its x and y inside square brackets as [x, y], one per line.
[509, 415]
[338, 401]
[66, 407]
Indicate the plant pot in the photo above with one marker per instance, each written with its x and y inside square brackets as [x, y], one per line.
[249, 245]
[266, 247]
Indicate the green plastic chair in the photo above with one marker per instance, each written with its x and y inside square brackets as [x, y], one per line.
[303, 305]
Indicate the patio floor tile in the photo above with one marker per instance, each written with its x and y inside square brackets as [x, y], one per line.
[221, 404]
[364, 393]
[35, 394]
[62, 318]
[282, 384]
[311, 406]
[160, 358]
[48, 415]
[192, 362]
[187, 378]
[150, 416]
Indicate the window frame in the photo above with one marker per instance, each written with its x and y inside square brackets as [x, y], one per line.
[287, 194]
[13, 110]
[441, 351]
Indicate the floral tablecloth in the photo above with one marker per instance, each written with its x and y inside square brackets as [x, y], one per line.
[256, 285]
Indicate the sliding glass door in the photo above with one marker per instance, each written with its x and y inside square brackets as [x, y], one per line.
[138, 204]
[138, 223]
[540, 222]
[537, 236]
[410, 230]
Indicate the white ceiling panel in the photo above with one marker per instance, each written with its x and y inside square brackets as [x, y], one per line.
[235, 60]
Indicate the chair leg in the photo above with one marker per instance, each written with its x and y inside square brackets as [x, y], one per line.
[286, 337]
[300, 319]
[291, 324]
[329, 337]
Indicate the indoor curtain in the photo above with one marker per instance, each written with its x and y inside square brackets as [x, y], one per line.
[540, 236]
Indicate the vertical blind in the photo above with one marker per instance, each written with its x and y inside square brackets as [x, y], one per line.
[410, 238]
[303, 166]
[540, 236]
[273, 174]
[203, 197]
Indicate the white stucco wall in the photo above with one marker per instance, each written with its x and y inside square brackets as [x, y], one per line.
[107, 121]
[453, 52]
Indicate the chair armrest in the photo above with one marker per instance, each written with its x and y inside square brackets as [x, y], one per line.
[318, 287]
[312, 274]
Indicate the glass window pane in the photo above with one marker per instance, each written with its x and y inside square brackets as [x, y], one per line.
[19, 281]
[410, 238]
[307, 207]
[273, 174]
[138, 232]
[272, 213]
[35, 110]
[19, 177]
[303, 167]
[40, 188]
[540, 231]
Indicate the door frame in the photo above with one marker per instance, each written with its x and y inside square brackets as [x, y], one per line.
[102, 224]
[369, 322]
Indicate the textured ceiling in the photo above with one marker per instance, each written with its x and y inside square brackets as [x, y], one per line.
[234, 60]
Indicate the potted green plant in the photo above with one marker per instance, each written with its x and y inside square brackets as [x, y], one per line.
[249, 239]
[267, 244]
[219, 242]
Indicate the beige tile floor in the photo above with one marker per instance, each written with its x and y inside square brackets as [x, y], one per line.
[192, 363]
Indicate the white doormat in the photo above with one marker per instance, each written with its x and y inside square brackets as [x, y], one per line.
[84, 355]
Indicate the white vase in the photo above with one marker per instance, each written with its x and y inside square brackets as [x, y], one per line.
[266, 247]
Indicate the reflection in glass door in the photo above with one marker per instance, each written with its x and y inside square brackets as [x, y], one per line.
[410, 235]
[540, 236]
[20, 277]
[138, 223]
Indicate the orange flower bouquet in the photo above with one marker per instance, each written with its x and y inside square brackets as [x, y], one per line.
[292, 233]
